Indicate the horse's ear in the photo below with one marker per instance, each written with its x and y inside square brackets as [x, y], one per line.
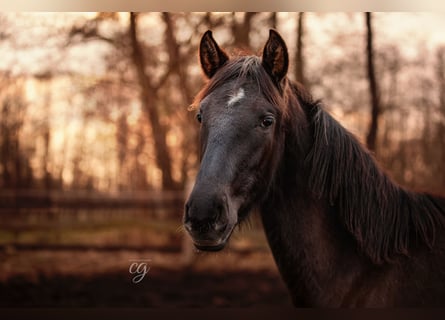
[275, 56]
[211, 56]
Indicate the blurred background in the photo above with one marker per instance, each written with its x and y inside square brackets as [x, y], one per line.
[98, 147]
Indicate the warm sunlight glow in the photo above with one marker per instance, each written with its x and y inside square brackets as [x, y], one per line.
[101, 136]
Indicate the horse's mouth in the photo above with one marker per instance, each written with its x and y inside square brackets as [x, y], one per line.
[214, 245]
[210, 248]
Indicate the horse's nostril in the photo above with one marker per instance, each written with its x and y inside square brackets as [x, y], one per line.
[188, 226]
[187, 212]
[220, 227]
[219, 210]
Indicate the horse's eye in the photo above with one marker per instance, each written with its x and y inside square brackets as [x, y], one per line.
[267, 121]
[199, 117]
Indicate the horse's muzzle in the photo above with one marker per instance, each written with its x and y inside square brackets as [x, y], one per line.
[207, 221]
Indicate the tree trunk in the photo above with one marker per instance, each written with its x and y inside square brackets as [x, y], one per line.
[149, 97]
[178, 68]
[176, 61]
[122, 149]
[241, 30]
[5, 145]
[299, 60]
[47, 178]
[273, 20]
[371, 138]
[441, 130]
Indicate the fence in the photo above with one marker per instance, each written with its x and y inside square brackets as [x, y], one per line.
[34, 199]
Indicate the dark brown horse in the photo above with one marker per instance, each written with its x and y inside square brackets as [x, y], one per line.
[341, 232]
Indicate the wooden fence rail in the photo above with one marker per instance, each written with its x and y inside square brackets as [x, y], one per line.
[34, 199]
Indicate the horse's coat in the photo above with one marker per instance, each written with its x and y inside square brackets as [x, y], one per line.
[341, 231]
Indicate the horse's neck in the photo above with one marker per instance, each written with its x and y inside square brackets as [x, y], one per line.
[314, 254]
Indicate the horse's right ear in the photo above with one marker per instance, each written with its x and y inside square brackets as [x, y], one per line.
[211, 56]
[275, 57]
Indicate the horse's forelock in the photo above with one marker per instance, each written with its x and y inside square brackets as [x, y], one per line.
[242, 69]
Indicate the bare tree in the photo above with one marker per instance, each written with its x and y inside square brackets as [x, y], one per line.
[373, 86]
[299, 59]
[273, 20]
[153, 88]
[15, 169]
[178, 67]
[45, 79]
[148, 97]
[440, 71]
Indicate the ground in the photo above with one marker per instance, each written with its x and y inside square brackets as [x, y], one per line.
[83, 263]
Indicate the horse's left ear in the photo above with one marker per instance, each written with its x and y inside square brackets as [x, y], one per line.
[275, 57]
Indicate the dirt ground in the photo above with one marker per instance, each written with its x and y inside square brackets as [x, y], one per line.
[91, 278]
[84, 259]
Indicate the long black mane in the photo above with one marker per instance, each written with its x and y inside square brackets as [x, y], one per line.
[384, 218]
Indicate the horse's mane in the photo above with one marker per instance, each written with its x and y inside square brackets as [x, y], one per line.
[384, 218]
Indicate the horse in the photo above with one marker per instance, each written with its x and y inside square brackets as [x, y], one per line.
[341, 231]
